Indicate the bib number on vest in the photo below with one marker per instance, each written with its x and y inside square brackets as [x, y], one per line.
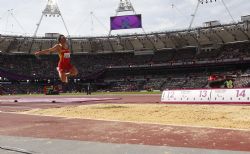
[66, 55]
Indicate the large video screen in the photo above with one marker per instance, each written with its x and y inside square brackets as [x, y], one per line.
[126, 22]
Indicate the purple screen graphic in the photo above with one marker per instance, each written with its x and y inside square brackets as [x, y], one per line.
[126, 22]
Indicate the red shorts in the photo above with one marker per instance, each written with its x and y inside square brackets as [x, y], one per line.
[62, 67]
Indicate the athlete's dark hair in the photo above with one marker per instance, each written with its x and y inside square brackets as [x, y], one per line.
[59, 38]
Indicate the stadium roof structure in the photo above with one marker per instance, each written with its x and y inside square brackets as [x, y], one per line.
[211, 36]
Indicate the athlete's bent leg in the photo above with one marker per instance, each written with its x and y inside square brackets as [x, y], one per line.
[62, 76]
[73, 71]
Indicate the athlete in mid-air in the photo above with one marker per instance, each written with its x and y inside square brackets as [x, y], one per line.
[65, 68]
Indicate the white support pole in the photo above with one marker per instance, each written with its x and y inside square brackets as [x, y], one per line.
[228, 11]
[92, 23]
[38, 25]
[65, 26]
[194, 15]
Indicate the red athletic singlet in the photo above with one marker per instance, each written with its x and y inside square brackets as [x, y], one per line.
[64, 62]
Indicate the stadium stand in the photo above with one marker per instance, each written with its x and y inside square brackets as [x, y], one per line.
[156, 61]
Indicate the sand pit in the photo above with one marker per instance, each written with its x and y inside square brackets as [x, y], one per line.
[237, 117]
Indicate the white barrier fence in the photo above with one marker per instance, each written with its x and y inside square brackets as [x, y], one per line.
[207, 96]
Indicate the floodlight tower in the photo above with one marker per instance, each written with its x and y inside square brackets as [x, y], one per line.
[125, 5]
[51, 10]
[203, 2]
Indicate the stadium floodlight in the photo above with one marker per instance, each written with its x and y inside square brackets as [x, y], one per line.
[206, 1]
[51, 9]
[125, 5]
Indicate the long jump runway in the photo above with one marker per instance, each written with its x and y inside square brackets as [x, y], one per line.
[53, 99]
[20, 133]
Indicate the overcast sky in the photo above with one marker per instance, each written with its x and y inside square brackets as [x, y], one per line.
[157, 15]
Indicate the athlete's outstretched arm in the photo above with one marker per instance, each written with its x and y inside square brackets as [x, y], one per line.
[47, 51]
